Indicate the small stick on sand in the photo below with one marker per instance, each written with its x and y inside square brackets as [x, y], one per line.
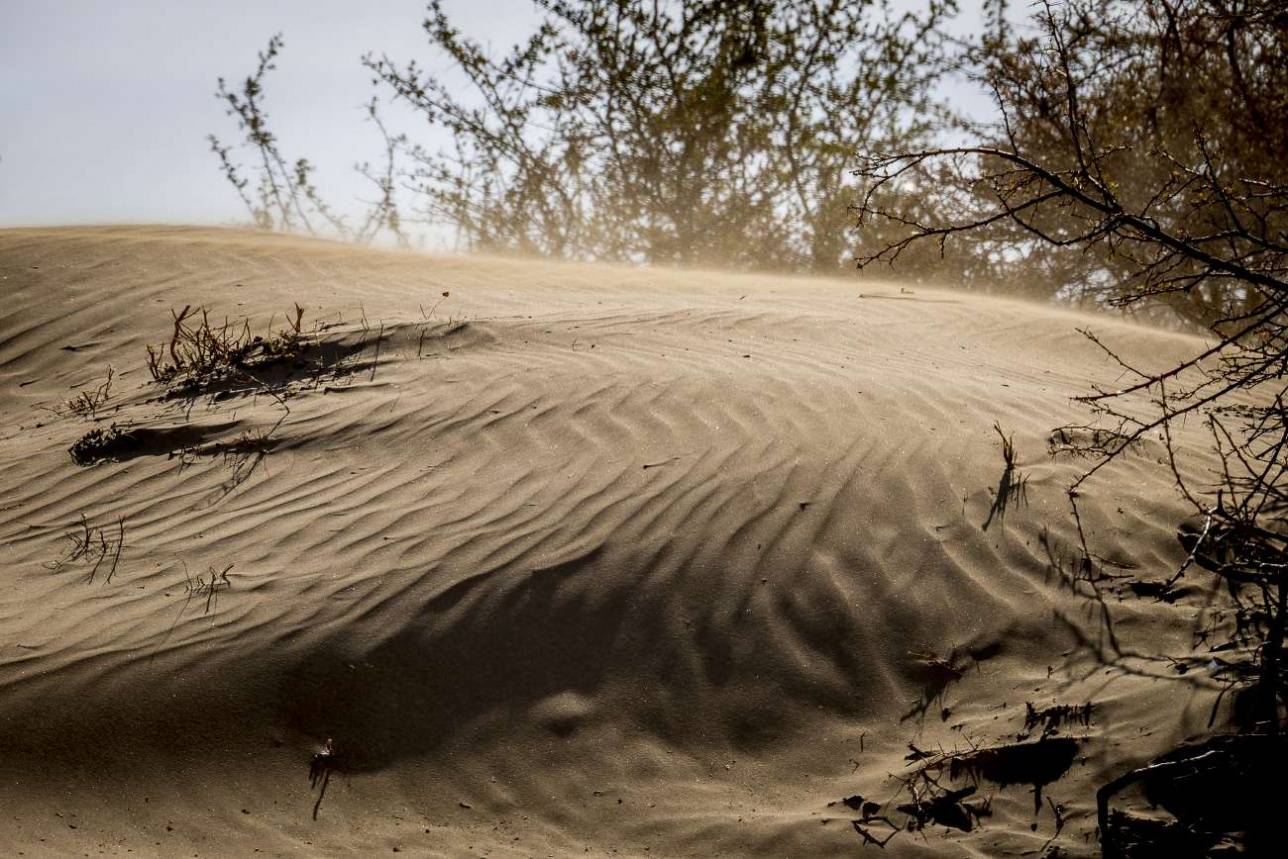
[120, 541]
[376, 360]
[320, 772]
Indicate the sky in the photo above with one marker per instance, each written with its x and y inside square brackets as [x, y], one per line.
[107, 103]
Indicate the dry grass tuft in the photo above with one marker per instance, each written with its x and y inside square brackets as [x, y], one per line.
[932, 802]
[1012, 486]
[86, 403]
[97, 445]
[1052, 718]
[201, 354]
[207, 584]
[90, 545]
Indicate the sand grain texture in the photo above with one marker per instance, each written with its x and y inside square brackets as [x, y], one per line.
[591, 561]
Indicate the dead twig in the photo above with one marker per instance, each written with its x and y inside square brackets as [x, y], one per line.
[86, 403]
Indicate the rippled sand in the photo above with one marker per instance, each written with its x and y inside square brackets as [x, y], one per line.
[588, 560]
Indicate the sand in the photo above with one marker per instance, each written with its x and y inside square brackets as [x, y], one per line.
[586, 560]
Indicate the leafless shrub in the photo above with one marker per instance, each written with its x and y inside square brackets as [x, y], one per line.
[927, 794]
[86, 403]
[1143, 147]
[97, 445]
[1054, 717]
[201, 353]
[1012, 486]
[91, 545]
[284, 196]
[207, 584]
[670, 132]
[240, 456]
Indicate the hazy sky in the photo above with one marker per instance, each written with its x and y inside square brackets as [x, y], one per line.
[106, 103]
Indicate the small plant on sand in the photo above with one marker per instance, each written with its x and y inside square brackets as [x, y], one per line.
[250, 444]
[97, 445]
[1051, 719]
[241, 455]
[941, 786]
[92, 545]
[1012, 486]
[426, 316]
[201, 354]
[320, 766]
[207, 584]
[86, 403]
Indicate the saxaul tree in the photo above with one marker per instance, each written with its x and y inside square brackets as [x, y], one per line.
[1139, 160]
[670, 132]
[283, 195]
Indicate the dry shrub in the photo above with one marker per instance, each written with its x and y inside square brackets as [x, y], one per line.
[92, 545]
[201, 354]
[86, 403]
[98, 444]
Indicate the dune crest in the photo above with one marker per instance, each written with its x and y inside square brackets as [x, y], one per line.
[588, 558]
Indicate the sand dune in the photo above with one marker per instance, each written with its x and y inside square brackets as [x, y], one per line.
[588, 560]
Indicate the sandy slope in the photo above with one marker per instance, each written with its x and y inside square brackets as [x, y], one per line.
[630, 562]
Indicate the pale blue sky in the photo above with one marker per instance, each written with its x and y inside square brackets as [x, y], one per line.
[106, 103]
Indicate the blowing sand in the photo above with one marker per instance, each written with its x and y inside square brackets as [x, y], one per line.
[576, 560]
